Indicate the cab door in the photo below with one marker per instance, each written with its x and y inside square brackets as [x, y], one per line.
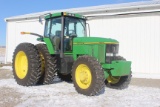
[53, 32]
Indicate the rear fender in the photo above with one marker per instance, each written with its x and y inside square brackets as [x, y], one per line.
[49, 45]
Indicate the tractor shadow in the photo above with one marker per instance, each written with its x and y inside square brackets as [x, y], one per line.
[59, 80]
[56, 80]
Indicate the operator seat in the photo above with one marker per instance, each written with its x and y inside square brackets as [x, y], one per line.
[56, 40]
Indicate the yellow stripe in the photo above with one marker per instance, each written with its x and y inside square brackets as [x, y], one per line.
[79, 43]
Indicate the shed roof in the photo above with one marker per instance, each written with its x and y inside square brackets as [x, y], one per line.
[111, 9]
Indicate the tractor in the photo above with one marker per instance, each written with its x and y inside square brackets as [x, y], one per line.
[91, 63]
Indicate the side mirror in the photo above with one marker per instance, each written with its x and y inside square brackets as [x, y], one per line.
[40, 17]
[40, 20]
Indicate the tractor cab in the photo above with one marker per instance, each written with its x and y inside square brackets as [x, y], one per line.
[62, 27]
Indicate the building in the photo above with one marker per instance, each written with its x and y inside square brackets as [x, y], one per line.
[135, 25]
[2, 54]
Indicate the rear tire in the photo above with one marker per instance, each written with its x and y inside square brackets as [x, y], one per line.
[88, 76]
[26, 64]
[48, 63]
[119, 82]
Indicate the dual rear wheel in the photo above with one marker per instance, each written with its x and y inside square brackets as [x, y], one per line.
[26, 64]
[33, 65]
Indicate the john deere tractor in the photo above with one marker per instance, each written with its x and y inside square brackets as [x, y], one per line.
[66, 51]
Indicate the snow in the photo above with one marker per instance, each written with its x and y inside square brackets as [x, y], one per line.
[6, 67]
[64, 94]
[2, 58]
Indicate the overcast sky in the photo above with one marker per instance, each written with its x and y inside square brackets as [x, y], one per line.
[10, 8]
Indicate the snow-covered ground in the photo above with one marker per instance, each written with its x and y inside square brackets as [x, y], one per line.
[6, 67]
[2, 59]
[63, 94]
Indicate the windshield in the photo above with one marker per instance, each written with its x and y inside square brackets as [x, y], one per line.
[52, 26]
[75, 27]
[72, 27]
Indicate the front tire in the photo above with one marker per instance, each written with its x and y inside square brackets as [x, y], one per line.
[26, 64]
[88, 76]
[119, 82]
[123, 82]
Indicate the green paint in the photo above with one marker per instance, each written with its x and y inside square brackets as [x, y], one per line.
[106, 66]
[118, 68]
[68, 53]
[53, 15]
[121, 68]
[78, 15]
[97, 51]
[94, 40]
[59, 14]
[40, 39]
[92, 46]
[106, 74]
[49, 45]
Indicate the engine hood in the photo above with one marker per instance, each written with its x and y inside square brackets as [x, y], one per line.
[94, 40]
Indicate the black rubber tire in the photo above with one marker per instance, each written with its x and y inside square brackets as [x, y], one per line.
[124, 80]
[65, 77]
[50, 65]
[120, 58]
[97, 84]
[122, 84]
[34, 65]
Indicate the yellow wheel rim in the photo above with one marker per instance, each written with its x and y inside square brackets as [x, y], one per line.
[113, 80]
[83, 76]
[42, 63]
[21, 65]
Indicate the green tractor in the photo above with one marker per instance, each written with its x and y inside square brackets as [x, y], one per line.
[90, 62]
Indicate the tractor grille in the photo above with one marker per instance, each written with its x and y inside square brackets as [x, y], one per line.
[111, 52]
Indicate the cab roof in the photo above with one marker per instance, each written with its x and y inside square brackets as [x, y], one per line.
[59, 14]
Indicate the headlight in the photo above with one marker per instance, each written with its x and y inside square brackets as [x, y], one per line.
[112, 48]
[111, 52]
